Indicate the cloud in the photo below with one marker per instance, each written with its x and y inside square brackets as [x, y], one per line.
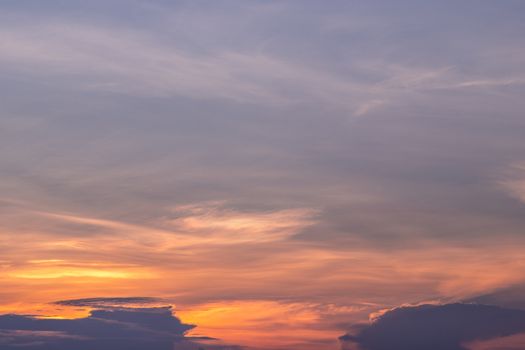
[436, 327]
[513, 342]
[106, 328]
[96, 57]
[120, 126]
[109, 302]
[512, 297]
[219, 225]
[513, 181]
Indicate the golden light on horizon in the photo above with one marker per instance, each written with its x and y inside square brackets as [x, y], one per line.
[262, 175]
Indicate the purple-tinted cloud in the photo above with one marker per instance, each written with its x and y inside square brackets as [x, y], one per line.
[154, 328]
[109, 302]
[436, 327]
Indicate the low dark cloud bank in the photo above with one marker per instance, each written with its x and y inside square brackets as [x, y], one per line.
[129, 328]
[436, 327]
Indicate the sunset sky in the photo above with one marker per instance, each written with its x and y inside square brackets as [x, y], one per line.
[285, 175]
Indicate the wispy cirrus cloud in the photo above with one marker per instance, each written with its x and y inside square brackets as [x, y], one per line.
[207, 153]
[97, 58]
[513, 180]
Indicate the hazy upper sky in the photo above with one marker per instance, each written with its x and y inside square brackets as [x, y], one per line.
[282, 172]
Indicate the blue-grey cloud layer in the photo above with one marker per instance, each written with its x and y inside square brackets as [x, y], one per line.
[104, 329]
[410, 105]
[438, 327]
[400, 124]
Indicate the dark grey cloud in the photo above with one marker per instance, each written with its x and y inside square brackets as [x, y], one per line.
[437, 327]
[109, 302]
[152, 328]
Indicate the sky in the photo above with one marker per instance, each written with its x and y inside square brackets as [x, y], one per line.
[262, 175]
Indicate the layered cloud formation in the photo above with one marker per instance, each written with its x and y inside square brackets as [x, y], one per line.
[275, 167]
[112, 324]
[437, 327]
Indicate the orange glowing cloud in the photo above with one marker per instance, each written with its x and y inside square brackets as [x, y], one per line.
[241, 276]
